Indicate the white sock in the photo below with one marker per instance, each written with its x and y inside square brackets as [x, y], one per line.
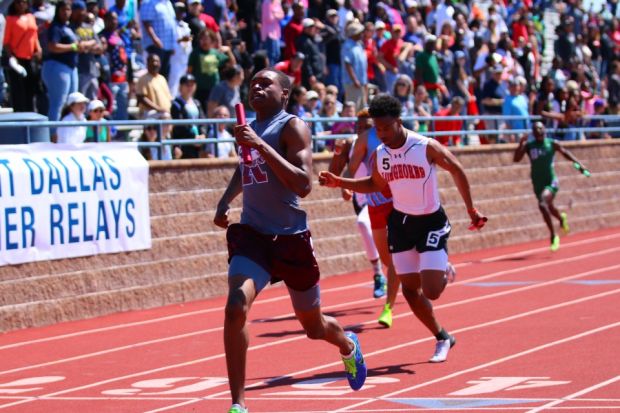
[348, 356]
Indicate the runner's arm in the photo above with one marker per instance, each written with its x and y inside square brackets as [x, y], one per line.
[341, 156]
[359, 151]
[366, 185]
[223, 206]
[521, 149]
[439, 154]
[567, 154]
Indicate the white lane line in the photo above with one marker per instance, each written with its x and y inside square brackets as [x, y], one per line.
[400, 346]
[282, 297]
[545, 346]
[575, 395]
[332, 307]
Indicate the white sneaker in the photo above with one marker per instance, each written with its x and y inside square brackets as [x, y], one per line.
[450, 273]
[442, 347]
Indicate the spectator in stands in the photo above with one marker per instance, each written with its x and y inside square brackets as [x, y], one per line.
[292, 67]
[96, 111]
[59, 71]
[185, 106]
[613, 84]
[270, 31]
[333, 43]
[92, 7]
[460, 81]
[311, 108]
[293, 30]
[150, 134]
[296, 101]
[182, 49]
[329, 110]
[516, 104]
[119, 65]
[160, 30]
[205, 63]
[73, 112]
[355, 67]
[348, 111]
[152, 89]
[221, 149]
[199, 21]
[493, 94]
[422, 107]
[129, 31]
[88, 71]
[403, 91]
[226, 93]
[427, 70]
[599, 109]
[389, 56]
[456, 125]
[313, 67]
[22, 49]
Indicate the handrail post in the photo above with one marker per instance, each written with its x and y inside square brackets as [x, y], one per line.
[160, 134]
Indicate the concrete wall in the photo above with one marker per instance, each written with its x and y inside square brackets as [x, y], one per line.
[188, 258]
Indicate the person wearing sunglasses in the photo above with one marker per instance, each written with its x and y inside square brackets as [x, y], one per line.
[96, 113]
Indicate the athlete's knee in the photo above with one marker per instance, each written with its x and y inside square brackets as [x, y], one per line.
[237, 306]
[412, 294]
[432, 292]
[543, 204]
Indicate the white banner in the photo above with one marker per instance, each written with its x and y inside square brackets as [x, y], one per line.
[61, 201]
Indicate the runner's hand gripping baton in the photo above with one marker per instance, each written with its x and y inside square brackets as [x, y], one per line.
[478, 224]
[246, 155]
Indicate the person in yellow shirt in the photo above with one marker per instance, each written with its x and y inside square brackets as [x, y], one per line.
[152, 89]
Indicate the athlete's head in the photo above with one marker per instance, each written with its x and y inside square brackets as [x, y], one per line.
[269, 91]
[538, 130]
[385, 112]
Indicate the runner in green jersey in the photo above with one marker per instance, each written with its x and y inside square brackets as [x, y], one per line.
[541, 151]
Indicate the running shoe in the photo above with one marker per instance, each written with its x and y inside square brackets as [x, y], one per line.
[380, 286]
[237, 408]
[355, 365]
[564, 222]
[555, 243]
[450, 272]
[442, 347]
[386, 316]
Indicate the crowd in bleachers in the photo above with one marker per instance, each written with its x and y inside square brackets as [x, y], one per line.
[193, 58]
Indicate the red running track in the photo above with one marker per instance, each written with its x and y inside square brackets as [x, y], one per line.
[536, 331]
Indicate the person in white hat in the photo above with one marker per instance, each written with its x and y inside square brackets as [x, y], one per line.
[355, 66]
[96, 111]
[313, 68]
[73, 112]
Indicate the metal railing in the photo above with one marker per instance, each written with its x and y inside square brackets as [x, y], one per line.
[468, 130]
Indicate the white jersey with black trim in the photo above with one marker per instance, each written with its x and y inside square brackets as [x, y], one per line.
[412, 179]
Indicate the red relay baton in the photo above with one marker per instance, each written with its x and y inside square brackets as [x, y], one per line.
[479, 224]
[246, 155]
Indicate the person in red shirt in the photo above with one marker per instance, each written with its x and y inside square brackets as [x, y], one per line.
[454, 109]
[292, 67]
[293, 30]
[519, 29]
[371, 49]
[388, 56]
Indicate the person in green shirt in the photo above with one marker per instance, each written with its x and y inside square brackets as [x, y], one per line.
[541, 151]
[205, 63]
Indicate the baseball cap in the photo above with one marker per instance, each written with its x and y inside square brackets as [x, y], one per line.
[307, 22]
[76, 97]
[332, 12]
[397, 28]
[379, 25]
[193, 1]
[95, 104]
[460, 54]
[311, 94]
[187, 78]
[354, 29]
[180, 5]
[411, 4]
[299, 55]
[78, 5]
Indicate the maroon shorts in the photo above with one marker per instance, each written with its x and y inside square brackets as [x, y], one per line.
[379, 215]
[288, 258]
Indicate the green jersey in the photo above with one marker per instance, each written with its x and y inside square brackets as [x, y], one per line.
[541, 155]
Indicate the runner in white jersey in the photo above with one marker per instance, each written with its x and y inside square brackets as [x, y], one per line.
[418, 228]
